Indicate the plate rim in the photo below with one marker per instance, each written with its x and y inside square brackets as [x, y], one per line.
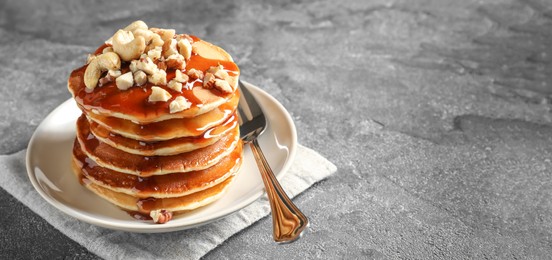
[167, 227]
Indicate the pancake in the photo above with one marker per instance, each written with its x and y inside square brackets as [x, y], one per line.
[159, 131]
[132, 104]
[177, 204]
[160, 186]
[168, 129]
[118, 160]
[169, 147]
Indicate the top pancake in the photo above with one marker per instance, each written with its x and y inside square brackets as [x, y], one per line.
[132, 104]
[169, 129]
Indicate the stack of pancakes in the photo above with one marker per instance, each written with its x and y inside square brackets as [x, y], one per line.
[147, 159]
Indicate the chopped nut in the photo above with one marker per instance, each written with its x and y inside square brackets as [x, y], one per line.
[162, 65]
[159, 94]
[180, 77]
[156, 41]
[223, 86]
[164, 33]
[146, 65]
[209, 80]
[195, 74]
[104, 80]
[155, 53]
[140, 78]
[107, 49]
[184, 36]
[167, 37]
[159, 77]
[176, 61]
[125, 81]
[222, 74]
[133, 65]
[173, 84]
[194, 49]
[114, 73]
[219, 72]
[178, 104]
[144, 32]
[185, 48]
[160, 216]
[214, 69]
[171, 49]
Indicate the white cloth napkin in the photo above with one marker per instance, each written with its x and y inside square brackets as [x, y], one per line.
[308, 168]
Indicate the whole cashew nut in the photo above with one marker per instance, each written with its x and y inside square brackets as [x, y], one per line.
[136, 25]
[128, 46]
[102, 62]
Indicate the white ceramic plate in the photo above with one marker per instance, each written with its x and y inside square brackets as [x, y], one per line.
[49, 169]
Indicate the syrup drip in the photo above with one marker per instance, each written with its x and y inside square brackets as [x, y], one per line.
[146, 165]
[169, 183]
[151, 146]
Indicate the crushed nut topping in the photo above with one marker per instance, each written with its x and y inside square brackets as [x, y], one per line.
[150, 53]
[155, 42]
[223, 86]
[114, 73]
[159, 94]
[161, 216]
[171, 49]
[176, 61]
[179, 104]
[104, 80]
[195, 74]
[125, 81]
[185, 48]
[175, 85]
[155, 53]
[180, 77]
[146, 65]
[159, 77]
[209, 80]
[219, 72]
[140, 78]
[162, 65]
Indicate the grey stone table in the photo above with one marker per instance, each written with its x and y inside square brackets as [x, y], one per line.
[437, 114]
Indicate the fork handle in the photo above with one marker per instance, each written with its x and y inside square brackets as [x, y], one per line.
[288, 221]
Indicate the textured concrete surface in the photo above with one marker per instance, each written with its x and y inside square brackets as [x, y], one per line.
[437, 114]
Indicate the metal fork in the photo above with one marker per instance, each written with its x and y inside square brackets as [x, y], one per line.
[288, 221]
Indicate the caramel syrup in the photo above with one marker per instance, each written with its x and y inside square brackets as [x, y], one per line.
[149, 204]
[147, 165]
[150, 147]
[170, 183]
[134, 101]
[166, 129]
